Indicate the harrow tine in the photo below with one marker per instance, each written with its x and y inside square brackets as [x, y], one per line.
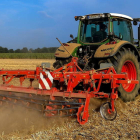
[56, 102]
[65, 104]
[61, 109]
[59, 101]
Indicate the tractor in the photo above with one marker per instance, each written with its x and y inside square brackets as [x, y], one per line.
[105, 40]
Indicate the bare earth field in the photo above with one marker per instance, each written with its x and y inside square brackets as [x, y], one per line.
[22, 63]
[19, 123]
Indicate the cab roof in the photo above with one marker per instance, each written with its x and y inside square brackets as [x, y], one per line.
[121, 15]
[107, 15]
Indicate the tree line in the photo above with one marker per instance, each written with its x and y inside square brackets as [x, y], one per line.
[26, 50]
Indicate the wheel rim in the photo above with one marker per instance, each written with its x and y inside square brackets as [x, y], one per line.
[130, 69]
[106, 111]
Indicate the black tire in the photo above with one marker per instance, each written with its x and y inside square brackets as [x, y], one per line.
[123, 57]
[57, 64]
[61, 62]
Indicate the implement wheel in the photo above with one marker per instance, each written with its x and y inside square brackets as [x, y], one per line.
[126, 61]
[106, 112]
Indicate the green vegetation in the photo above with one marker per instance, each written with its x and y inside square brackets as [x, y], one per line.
[26, 50]
[26, 55]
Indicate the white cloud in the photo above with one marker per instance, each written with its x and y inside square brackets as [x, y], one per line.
[60, 9]
[44, 14]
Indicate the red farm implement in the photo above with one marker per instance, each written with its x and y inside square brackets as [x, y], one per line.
[65, 91]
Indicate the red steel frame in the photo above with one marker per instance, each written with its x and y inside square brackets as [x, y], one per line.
[70, 76]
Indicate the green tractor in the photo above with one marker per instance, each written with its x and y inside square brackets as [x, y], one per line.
[105, 40]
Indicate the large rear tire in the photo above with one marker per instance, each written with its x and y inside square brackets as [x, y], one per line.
[126, 61]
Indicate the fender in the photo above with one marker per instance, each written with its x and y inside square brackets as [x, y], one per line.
[110, 50]
[62, 53]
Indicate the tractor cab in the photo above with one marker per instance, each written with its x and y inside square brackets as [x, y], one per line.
[100, 28]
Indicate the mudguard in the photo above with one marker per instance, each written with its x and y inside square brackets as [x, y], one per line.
[106, 50]
[62, 53]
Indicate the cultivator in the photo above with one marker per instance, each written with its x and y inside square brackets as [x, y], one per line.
[65, 91]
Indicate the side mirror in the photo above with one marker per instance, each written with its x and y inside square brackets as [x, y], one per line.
[135, 22]
[71, 36]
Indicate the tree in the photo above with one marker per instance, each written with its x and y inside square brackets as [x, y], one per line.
[38, 50]
[11, 51]
[52, 49]
[1, 49]
[31, 50]
[44, 50]
[5, 50]
[24, 50]
[17, 51]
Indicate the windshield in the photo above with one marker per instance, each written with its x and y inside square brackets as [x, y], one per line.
[93, 31]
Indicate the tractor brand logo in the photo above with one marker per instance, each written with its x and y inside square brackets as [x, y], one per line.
[107, 49]
[61, 50]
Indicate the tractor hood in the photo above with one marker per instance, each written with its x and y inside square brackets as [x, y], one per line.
[62, 52]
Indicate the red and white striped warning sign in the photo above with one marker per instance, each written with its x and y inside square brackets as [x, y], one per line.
[46, 80]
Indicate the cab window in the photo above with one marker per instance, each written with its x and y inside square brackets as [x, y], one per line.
[122, 29]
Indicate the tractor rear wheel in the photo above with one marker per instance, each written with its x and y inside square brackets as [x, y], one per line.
[127, 62]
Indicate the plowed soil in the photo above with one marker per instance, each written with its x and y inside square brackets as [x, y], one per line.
[18, 123]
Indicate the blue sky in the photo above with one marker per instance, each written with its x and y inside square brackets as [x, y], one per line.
[37, 23]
